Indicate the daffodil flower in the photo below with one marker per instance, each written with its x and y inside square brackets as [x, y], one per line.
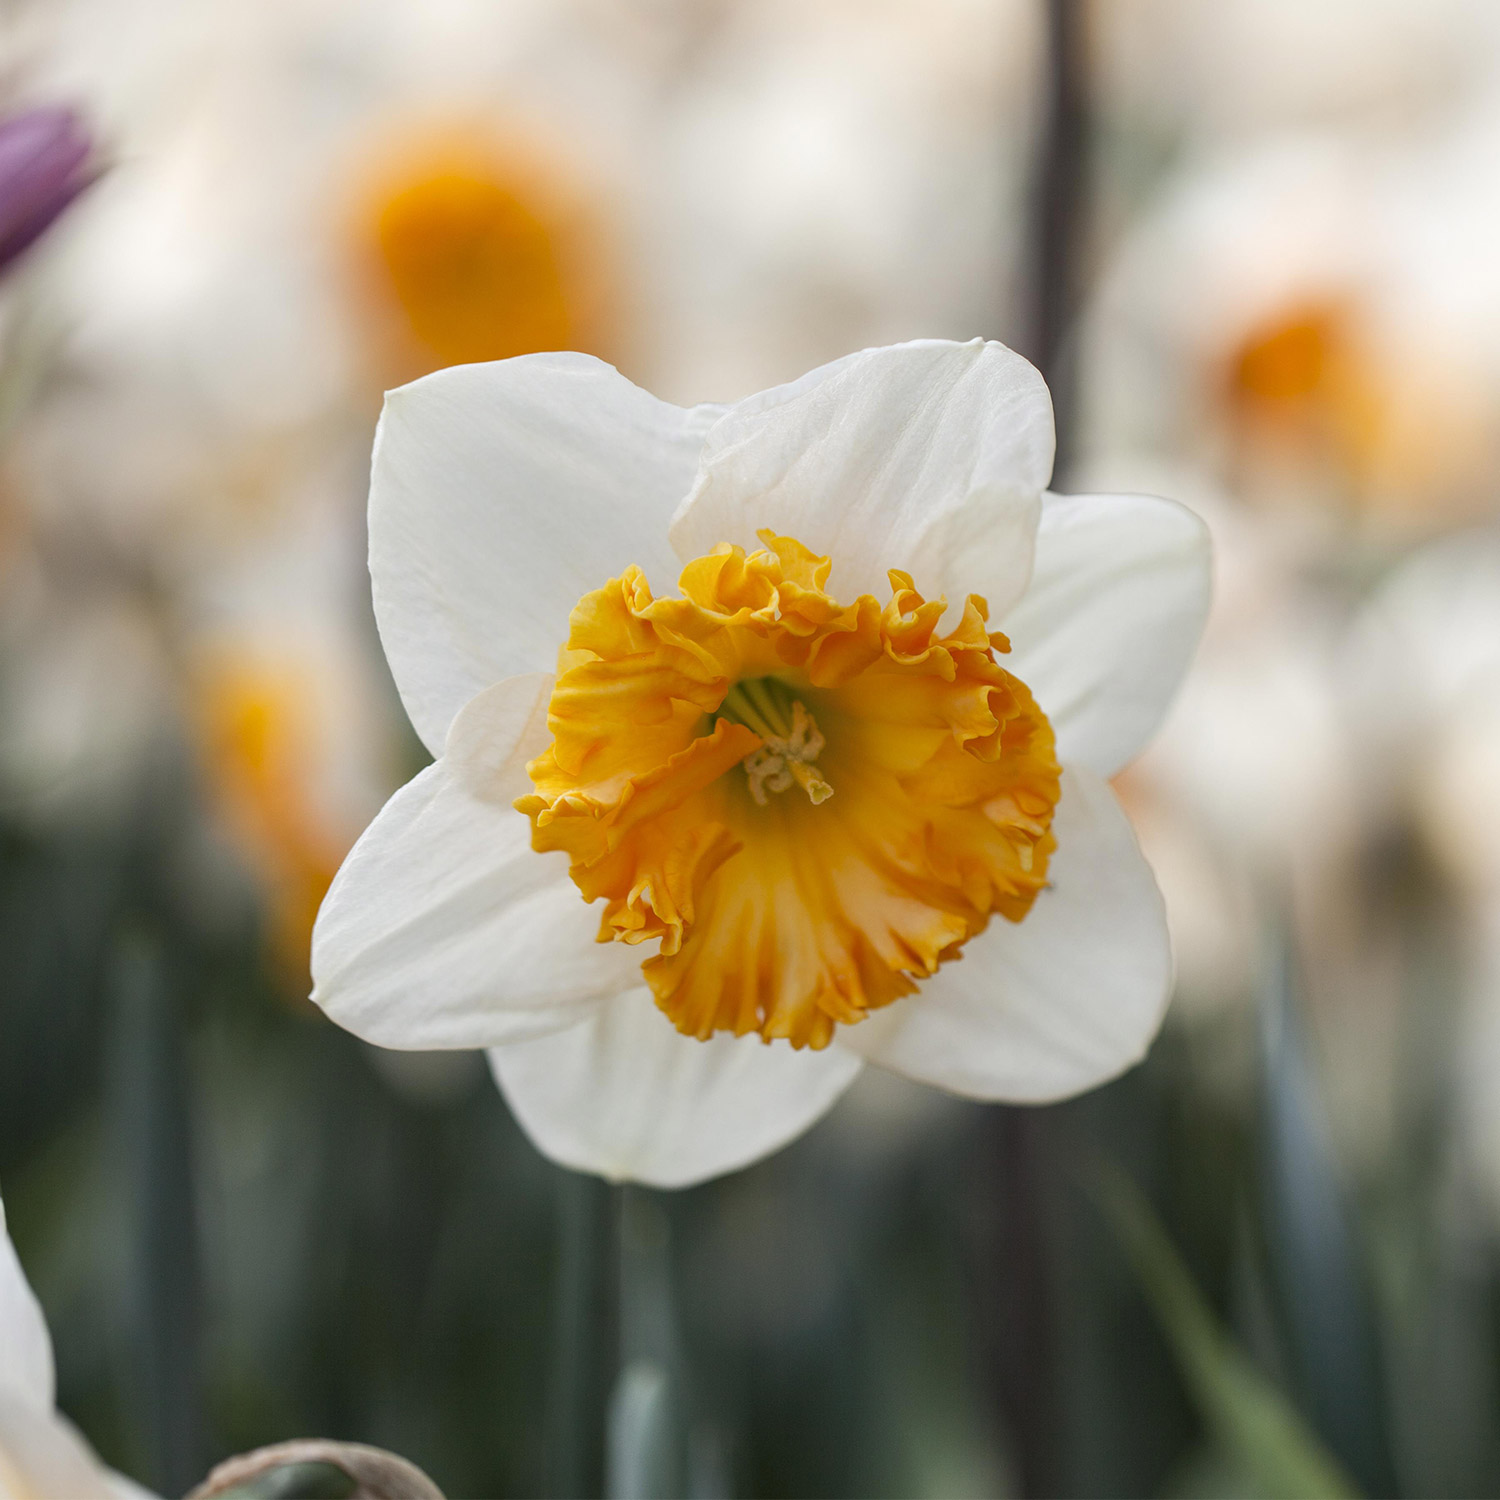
[687, 861]
[41, 1452]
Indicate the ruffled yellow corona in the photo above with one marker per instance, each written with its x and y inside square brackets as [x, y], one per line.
[811, 804]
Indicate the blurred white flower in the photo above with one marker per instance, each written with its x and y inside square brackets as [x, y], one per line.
[42, 1454]
[310, 202]
[1434, 627]
[810, 806]
[1241, 66]
[1314, 323]
[821, 176]
[1245, 799]
[84, 697]
[1425, 689]
[769, 182]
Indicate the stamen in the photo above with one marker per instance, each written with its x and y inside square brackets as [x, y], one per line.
[792, 739]
[737, 705]
[758, 691]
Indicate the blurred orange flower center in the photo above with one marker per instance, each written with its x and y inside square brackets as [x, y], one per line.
[1399, 426]
[811, 804]
[1304, 373]
[473, 265]
[1291, 357]
[260, 751]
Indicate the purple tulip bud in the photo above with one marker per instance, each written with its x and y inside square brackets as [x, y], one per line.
[44, 165]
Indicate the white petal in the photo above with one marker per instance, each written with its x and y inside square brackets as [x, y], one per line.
[444, 928]
[42, 1454]
[26, 1371]
[1111, 619]
[1057, 1003]
[920, 456]
[627, 1096]
[499, 495]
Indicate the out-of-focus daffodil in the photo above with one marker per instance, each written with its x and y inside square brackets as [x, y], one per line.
[1246, 66]
[822, 829]
[41, 1453]
[1311, 386]
[1298, 373]
[258, 731]
[1245, 799]
[471, 255]
[1434, 627]
[1278, 322]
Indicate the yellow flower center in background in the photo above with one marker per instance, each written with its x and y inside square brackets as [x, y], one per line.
[1292, 357]
[470, 254]
[1304, 374]
[258, 735]
[810, 804]
[1391, 427]
[474, 269]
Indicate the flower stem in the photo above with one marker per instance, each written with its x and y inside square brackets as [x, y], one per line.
[584, 1335]
[1061, 191]
[645, 1438]
[151, 1128]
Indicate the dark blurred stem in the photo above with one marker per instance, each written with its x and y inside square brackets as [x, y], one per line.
[1314, 1253]
[1023, 1320]
[584, 1339]
[645, 1449]
[150, 1106]
[1059, 208]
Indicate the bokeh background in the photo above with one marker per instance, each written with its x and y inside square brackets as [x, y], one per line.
[1255, 245]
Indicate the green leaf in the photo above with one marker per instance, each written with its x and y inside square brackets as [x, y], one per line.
[1252, 1419]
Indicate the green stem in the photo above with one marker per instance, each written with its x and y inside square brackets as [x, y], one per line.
[645, 1450]
[584, 1355]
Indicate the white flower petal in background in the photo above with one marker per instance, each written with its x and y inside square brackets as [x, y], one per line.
[291, 711]
[502, 493]
[924, 456]
[627, 1096]
[1477, 1056]
[827, 176]
[1433, 624]
[26, 1372]
[1057, 1003]
[1424, 659]
[1251, 759]
[1104, 634]
[1311, 319]
[444, 899]
[1242, 66]
[41, 1453]
[42, 1456]
[84, 692]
